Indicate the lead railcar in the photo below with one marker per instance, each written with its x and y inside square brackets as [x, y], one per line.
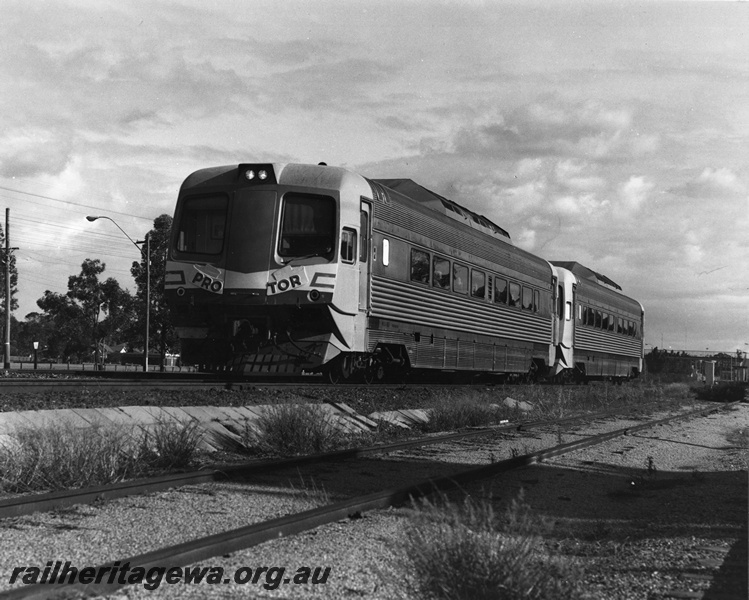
[284, 268]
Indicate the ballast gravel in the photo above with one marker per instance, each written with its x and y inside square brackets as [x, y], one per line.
[646, 516]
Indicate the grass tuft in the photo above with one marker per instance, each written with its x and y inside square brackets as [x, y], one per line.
[62, 456]
[293, 429]
[458, 410]
[466, 551]
[170, 445]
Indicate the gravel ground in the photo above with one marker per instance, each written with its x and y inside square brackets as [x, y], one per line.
[634, 515]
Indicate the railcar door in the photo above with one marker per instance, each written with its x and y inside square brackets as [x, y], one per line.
[365, 255]
[556, 292]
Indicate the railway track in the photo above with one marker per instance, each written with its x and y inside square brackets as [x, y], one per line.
[73, 381]
[27, 504]
[244, 537]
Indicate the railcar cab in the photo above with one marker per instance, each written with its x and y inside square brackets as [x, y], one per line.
[269, 254]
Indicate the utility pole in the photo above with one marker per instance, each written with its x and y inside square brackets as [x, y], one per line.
[148, 301]
[7, 288]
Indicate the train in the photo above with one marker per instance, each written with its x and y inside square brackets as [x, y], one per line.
[289, 269]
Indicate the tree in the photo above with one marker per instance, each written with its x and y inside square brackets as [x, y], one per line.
[32, 329]
[161, 329]
[75, 319]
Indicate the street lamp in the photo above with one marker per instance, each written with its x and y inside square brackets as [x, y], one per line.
[36, 348]
[147, 243]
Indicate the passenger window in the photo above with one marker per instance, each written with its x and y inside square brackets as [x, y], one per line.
[500, 291]
[598, 319]
[348, 245]
[527, 298]
[460, 279]
[514, 294]
[419, 266]
[536, 300]
[478, 284]
[605, 323]
[441, 273]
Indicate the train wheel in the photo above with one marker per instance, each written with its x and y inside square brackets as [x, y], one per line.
[332, 374]
[375, 372]
[339, 369]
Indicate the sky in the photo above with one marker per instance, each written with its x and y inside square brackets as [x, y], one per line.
[614, 134]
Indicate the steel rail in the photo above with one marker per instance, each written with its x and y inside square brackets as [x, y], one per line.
[244, 537]
[17, 506]
[166, 383]
[176, 382]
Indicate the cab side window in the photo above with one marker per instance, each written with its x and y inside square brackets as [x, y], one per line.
[348, 245]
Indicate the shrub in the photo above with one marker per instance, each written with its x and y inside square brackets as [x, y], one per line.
[62, 456]
[465, 552]
[292, 429]
[170, 445]
[722, 392]
[460, 410]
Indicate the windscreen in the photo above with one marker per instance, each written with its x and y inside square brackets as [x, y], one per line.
[202, 225]
[307, 226]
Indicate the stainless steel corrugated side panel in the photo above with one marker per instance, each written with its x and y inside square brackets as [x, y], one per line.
[431, 308]
[607, 342]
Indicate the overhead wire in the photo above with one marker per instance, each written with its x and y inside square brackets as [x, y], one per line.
[31, 235]
[70, 202]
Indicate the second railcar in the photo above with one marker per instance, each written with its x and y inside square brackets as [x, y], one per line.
[601, 330]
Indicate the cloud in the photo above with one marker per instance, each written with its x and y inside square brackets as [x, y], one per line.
[582, 205]
[551, 125]
[29, 151]
[713, 183]
[338, 85]
[632, 194]
[572, 174]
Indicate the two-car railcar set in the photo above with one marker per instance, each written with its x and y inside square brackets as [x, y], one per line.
[290, 268]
